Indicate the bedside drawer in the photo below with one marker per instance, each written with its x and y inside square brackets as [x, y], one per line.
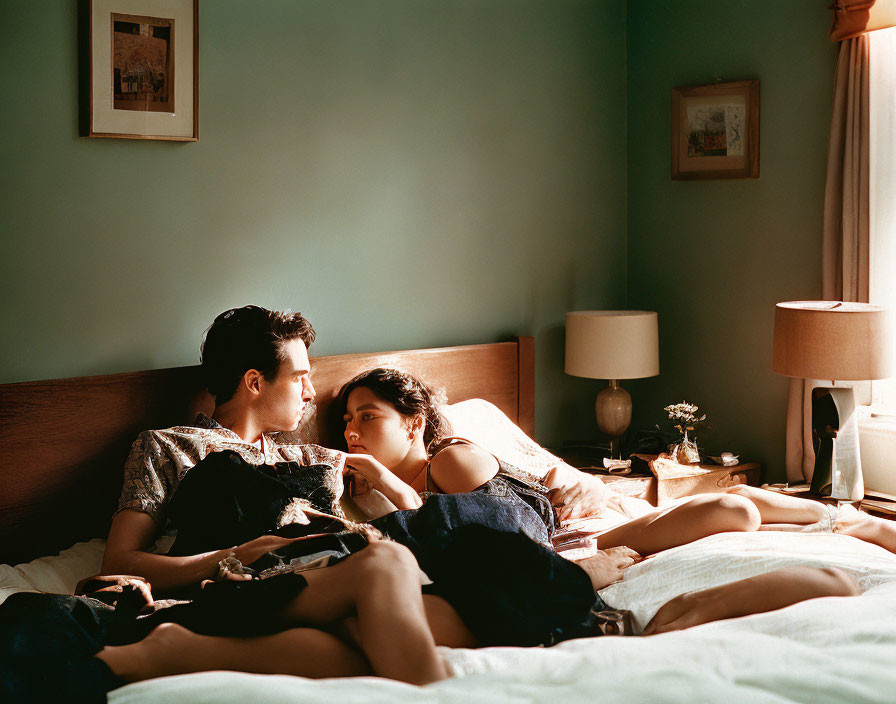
[710, 483]
[660, 492]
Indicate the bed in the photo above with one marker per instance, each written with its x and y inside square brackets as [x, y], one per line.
[63, 443]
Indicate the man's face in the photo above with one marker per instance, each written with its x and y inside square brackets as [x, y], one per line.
[281, 401]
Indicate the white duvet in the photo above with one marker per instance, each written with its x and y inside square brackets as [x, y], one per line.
[824, 650]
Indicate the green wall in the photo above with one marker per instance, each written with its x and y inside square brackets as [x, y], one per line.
[420, 172]
[713, 257]
[407, 173]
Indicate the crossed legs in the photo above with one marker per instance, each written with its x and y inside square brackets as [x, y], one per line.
[777, 508]
[378, 586]
[740, 508]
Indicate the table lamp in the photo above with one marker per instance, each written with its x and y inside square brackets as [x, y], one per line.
[841, 342]
[612, 345]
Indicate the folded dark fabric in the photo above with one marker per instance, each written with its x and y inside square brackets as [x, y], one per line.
[224, 501]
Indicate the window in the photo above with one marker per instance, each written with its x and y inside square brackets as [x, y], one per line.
[883, 186]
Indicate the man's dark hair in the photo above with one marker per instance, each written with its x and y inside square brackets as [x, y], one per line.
[247, 338]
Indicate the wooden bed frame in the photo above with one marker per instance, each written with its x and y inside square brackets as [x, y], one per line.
[63, 442]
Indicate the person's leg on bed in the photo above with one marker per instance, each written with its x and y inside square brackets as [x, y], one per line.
[695, 518]
[764, 592]
[380, 585]
[777, 509]
[447, 626]
[871, 529]
[780, 508]
[171, 649]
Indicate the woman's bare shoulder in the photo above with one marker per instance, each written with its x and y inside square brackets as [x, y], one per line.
[462, 467]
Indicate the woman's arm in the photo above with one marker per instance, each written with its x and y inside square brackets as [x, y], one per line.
[461, 468]
[133, 533]
[576, 494]
[764, 592]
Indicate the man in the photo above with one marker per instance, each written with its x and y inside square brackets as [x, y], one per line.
[256, 366]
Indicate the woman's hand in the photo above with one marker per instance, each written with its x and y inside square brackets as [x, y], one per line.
[369, 468]
[575, 494]
[379, 477]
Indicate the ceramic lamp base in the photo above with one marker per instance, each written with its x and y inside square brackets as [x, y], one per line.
[613, 410]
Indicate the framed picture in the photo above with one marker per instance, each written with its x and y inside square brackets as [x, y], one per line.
[144, 69]
[715, 131]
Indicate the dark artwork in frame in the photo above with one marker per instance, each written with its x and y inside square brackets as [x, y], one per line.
[142, 63]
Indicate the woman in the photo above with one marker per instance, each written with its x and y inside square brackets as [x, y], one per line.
[397, 442]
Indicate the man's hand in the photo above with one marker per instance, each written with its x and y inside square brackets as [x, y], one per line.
[247, 553]
[115, 583]
[608, 566]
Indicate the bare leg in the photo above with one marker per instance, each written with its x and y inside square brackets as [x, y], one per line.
[447, 627]
[764, 592]
[699, 516]
[173, 650]
[780, 508]
[871, 529]
[381, 587]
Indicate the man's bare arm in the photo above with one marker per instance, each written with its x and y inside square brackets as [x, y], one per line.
[133, 533]
[130, 537]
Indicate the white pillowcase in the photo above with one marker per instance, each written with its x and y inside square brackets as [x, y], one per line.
[489, 427]
[57, 574]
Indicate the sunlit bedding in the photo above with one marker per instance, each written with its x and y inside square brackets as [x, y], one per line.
[824, 650]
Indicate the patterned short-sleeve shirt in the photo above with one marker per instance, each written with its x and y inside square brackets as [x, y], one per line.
[159, 459]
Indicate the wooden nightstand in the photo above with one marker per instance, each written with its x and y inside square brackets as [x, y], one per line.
[641, 483]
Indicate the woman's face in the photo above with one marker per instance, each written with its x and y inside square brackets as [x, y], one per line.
[374, 427]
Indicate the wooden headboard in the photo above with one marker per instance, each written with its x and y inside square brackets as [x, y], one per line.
[63, 442]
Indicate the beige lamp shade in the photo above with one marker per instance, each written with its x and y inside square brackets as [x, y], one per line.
[833, 340]
[612, 344]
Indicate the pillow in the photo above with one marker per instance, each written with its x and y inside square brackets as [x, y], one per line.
[486, 425]
[57, 574]
[727, 557]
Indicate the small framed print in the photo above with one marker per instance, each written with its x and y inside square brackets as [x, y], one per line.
[144, 69]
[715, 131]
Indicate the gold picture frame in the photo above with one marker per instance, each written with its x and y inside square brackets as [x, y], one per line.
[715, 131]
[144, 69]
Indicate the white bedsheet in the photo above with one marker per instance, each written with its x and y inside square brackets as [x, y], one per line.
[824, 650]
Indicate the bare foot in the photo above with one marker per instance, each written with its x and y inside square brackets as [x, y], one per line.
[608, 566]
[871, 529]
[152, 656]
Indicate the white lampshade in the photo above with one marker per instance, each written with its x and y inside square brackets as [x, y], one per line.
[612, 344]
[833, 340]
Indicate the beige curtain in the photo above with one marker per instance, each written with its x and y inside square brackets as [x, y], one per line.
[846, 229]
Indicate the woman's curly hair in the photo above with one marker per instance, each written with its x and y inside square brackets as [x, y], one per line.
[410, 396]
